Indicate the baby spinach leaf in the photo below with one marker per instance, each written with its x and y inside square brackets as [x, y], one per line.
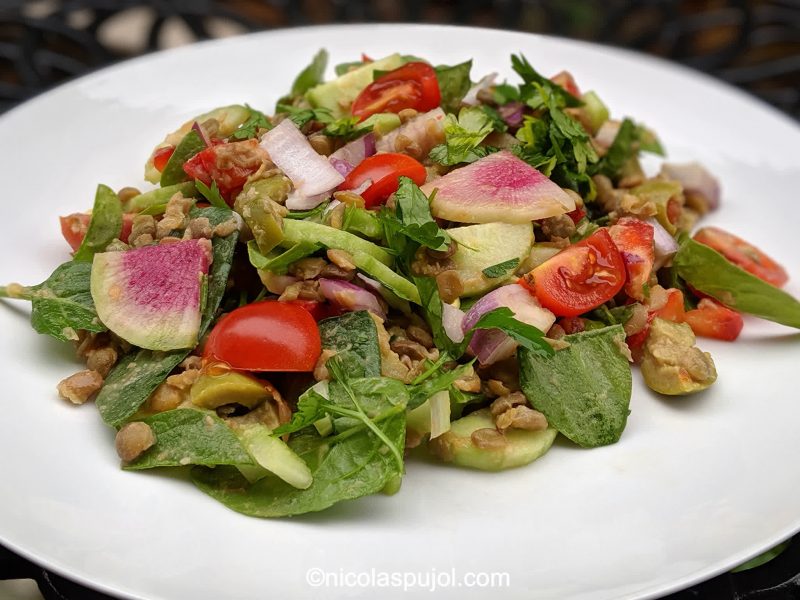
[279, 263]
[349, 465]
[312, 75]
[501, 269]
[622, 149]
[173, 172]
[354, 332]
[187, 436]
[584, 389]
[138, 374]
[105, 225]
[419, 393]
[62, 305]
[454, 83]
[707, 271]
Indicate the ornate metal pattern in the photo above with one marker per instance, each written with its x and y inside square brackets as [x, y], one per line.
[754, 44]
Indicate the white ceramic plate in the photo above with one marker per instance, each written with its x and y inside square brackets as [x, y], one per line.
[695, 486]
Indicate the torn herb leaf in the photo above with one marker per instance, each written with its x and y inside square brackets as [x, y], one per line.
[501, 269]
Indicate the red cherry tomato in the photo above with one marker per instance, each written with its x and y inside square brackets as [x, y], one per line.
[318, 310]
[266, 336]
[576, 215]
[713, 320]
[229, 165]
[161, 157]
[672, 310]
[414, 85]
[74, 227]
[580, 277]
[566, 81]
[745, 255]
[634, 240]
[384, 170]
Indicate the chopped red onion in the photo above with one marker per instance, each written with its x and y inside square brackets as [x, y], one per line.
[665, 245]
[196, 126]
[452, 319]
[695, 178]
[491, 345]
[312, 175]
[512, 113]
[348, 157]
[471, 99]
[350, 297]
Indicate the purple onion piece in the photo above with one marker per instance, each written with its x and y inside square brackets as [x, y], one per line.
[512, 113]
[350, 297]
[202, 134]
[452, 320]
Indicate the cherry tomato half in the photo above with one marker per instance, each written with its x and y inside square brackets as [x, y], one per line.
[414, 85]
[566, 81]
[745, 255]
[74, 227]
[229, 165]
[161, 157]
[634, 240]
[713, 320]
[266, 336]
[580, 277]
[384, 170]
[318, 310]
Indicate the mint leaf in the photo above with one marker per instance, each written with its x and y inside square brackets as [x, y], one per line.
[501, 269]
[310, 408]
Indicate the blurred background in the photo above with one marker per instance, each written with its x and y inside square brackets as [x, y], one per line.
[753, 44]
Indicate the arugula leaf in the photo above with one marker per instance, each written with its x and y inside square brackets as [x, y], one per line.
[422, 391]
[527, 336]
[501, 269]
[301, 116]
[211, 193]
[454, 83]
[249, 129]
[414, 214]
[61, 305]
[346, 128]
[279, 263]
[190, 436]
[462, 137]
[763, 558]
[134, 378]
[312, 75]
[105, 225]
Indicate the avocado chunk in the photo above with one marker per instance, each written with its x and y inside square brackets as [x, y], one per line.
[212, 391]
[338, 95]
[485, 245]
[382, 123]
[471, 443]
[258, 205]
[672, 364]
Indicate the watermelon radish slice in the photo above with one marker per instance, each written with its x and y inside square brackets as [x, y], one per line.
[151, 296]
[497, 188]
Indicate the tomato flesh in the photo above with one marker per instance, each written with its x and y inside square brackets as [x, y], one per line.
[318, 310]
[266, 336]
[161, 157]
[566, 81]
[384, 171]
[634, 240]
[228, 165]
[713, 320]
[580, 277]
[74, 227]
[743, 254]
[414, 85]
